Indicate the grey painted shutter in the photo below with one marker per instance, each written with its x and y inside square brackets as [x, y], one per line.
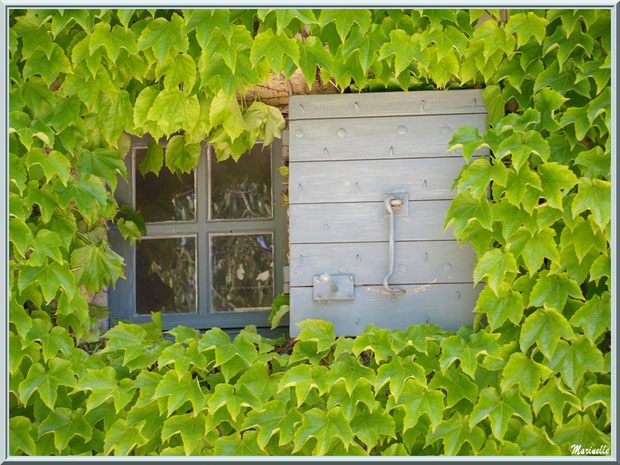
[346, 153]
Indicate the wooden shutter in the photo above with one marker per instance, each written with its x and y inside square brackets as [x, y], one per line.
[346, 153]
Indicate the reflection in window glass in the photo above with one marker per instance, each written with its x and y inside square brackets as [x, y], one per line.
[242, 189]
[165, 197]
[242, 272]
[166, 275]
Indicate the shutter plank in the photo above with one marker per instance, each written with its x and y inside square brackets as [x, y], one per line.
[369, 180]
[366, 222]
[447, 305]
[372, 138]
[415, 262]
[425, 102]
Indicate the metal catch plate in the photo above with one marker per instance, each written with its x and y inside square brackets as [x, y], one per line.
[323, 287]
[404, 198]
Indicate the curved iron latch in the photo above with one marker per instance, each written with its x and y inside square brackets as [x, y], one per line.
[327, 278]
[398, 201]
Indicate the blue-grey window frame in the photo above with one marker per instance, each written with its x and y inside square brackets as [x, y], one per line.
[122, 297]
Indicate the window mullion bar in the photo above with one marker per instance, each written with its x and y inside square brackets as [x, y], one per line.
[202, 194]
[232, 227]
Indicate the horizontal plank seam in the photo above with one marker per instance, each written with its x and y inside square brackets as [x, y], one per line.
[483, 111]
[377, 242]
[368, 201]
[400, 284]
[429, 157]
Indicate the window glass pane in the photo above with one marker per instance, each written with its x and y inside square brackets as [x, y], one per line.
[242, 189]
[166, 275]
[166, 197]
[242, 272]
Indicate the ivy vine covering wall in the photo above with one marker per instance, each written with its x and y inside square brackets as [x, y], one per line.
[532, 376]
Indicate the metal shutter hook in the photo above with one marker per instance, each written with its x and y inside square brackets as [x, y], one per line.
[390, 203]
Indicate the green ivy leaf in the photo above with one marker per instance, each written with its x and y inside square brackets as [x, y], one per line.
[325, 428]
[548, 101]
[178, 69]
[601, 267]
[123, 438]
[455, 432]
[162, 36]
[534, 248]
[468, 139]
[274, 125]
[467, 350]
[180, 390]
[601, 104]
[594, 195]
[527, 25]
[595, 162]
[143, 104]
[273, 48]
[225, 111]
[396, 372]
[507, 304]
[104, 385]
[594, 316]
[20, 235]
[128, 338]
[112, 40]
[46, 245]
[371, 426]
[581, 431]
[312, 53]
[173, 110]
[344, 19]
[275, 418]
[525, 372]
[318, 331]
[20, 437]
[598, 394]
[456, 385]
[191, 428]
[574, 359]
[182, 157]
[465, 210]
[555, 178]
[348, 369]
[519, 182]
[404, 47]
[536, 441]
[105, 163]
[556, 396]
[545, 327]
[478, 175]
[375, 340]
[50, 278]
[578, 116]
[43, 197]
[116, 117]
[46, 381]
[96, 266]
[206, 22]
[494, 265]
[304, 378]
[48, 66]
[499, 409]
[492, 96]
[65, 424]
[235, 444]
[153, 160]
[552, 290]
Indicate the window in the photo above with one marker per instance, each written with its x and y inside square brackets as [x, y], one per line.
[214, 250]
